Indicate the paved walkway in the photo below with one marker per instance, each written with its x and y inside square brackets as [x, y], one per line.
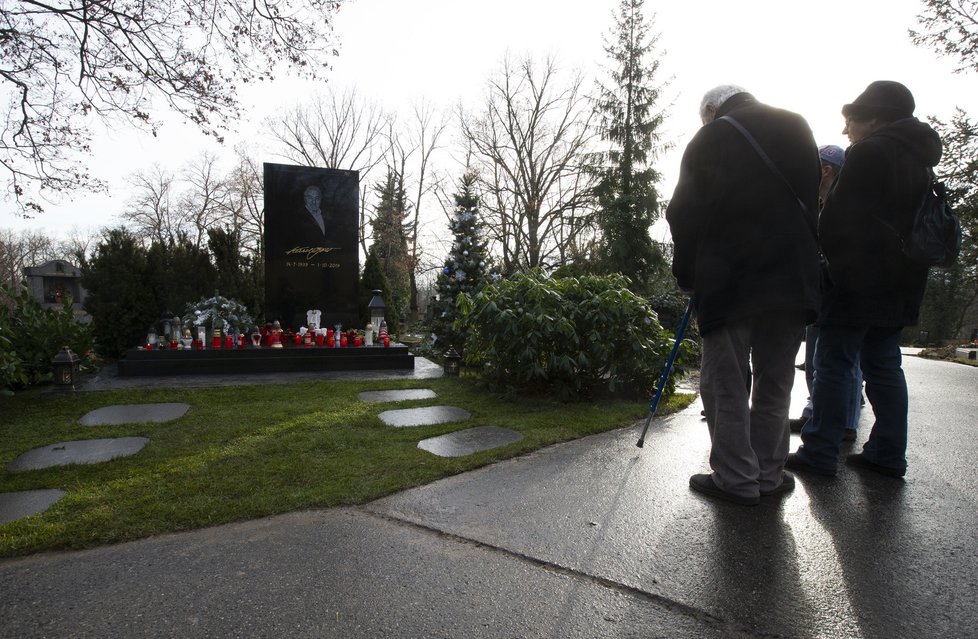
[593, 538]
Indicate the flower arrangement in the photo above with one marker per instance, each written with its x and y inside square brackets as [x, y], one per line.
[220, 313]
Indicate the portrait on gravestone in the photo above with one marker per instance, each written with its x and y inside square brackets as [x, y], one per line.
[311, 244]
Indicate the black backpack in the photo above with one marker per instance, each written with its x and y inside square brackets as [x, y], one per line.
[935, 236]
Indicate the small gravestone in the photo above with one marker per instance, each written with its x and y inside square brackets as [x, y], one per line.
[470, 440]
[396, 395]
[134, 414]
[89, 451]
[26, 502]
[426, 416]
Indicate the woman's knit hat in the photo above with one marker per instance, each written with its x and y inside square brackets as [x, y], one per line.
[883, 99]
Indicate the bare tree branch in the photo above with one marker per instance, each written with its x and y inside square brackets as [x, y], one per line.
[529, 143]
[127, 60]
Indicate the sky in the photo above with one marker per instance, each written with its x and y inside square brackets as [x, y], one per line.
[807, 57]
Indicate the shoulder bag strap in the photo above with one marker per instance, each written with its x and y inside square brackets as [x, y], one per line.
[770, 164]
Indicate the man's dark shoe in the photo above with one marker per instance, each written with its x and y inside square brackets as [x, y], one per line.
[799, 465]
[859, 461]
[704, 483]
[786, 486]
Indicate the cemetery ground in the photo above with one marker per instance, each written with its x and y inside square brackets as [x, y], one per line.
[244, 452]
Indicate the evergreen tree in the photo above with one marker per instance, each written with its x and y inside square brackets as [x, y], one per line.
[391, 246]
[121, 298]
[240, 275]
[626, 192]
[373, 279]
[468, 265]
[178, 272]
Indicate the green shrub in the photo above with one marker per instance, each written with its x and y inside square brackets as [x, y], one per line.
[31, 335]
[570, 336]
[12, 374]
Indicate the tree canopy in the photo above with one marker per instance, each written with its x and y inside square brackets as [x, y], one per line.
[629, 122]
[64, 62]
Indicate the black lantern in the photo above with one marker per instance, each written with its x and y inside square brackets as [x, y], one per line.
[376, 309]
[453, 362]
[64, 366]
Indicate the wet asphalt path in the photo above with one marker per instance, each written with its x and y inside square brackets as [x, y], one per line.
[593, 538]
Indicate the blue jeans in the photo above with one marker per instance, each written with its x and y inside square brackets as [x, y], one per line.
[811, 339]
[840, 349]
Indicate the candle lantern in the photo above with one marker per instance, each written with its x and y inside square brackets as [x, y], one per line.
[368, 334]
[201, 336]
[216, 339]
[176, 333]
[275, 337]
[166, 321]
[453, 362]
[65, 369]
[337, 336]
[256, 337]
[376, 310]
[151, 338]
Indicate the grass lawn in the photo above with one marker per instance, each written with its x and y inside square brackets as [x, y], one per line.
[252, 451]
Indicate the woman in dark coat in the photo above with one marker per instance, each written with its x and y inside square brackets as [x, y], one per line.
[875, 289]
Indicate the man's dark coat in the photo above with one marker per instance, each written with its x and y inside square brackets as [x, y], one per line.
[742, 242]
[872, 204]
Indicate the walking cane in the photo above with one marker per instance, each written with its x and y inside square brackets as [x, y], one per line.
[665, 371]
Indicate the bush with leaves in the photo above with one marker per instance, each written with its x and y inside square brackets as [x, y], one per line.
[12, 373]
[31, 335]
[569, 336]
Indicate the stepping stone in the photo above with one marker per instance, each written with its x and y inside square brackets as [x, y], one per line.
[470, 440]
[425, 416]
[134, 414]
[26, 502]
[89, 451]
[396, 395]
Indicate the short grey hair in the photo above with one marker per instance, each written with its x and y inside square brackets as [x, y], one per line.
[715, 97]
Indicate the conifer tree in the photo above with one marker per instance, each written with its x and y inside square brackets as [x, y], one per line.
[468, 267]
[391, 246]
[629, 122]
[373, 279]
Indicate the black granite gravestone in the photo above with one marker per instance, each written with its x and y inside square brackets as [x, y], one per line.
[311, 247]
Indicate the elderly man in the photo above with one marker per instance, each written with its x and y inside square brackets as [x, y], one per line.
[743, 228]
[876, 290]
